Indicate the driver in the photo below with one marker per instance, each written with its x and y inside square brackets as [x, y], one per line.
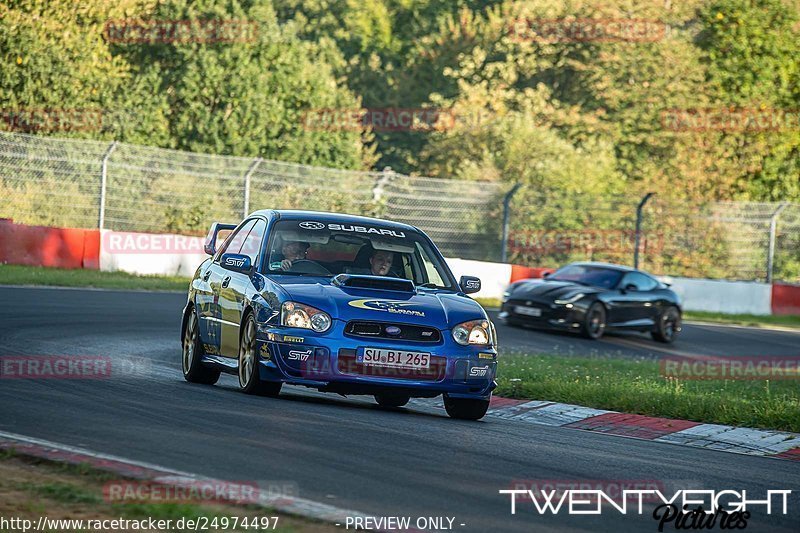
[293, 251]
[381, 262]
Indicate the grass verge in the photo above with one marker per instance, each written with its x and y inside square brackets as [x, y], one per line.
[636, 386]
[62, 277]
[31, 488]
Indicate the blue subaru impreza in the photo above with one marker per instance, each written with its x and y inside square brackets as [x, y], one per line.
[339, 303]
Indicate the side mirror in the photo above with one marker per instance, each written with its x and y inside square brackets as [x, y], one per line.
[236, 262]
[470, 284]
[210, 245]
[630, 287]
[546, 274]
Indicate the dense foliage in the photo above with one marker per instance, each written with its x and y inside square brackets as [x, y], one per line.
[569, 114]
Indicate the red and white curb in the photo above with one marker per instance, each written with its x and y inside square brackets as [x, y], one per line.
[775, 444]
[52, 451]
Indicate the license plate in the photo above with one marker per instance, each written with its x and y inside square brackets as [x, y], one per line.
[394, 358]
[529, 311]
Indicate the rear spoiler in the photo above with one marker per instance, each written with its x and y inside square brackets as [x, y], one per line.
[210, 246]
[373, 282]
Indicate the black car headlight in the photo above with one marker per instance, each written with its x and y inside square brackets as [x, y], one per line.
[571, 300]
[474, 332]
[296, 315]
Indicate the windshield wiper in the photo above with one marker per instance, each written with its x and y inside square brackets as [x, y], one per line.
[430, 286]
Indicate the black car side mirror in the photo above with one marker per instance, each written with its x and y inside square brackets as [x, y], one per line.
[630, 287]
[470, 284]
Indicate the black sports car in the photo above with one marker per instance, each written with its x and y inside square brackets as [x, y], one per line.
[593, 297]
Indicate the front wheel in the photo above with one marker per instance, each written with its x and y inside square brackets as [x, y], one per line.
[193, 369]
[668, 325]
[594, 323]
[388, 399]
[249, 380]
[465, 408]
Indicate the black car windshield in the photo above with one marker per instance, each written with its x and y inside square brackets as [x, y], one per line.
[594, 276]
[314, 248]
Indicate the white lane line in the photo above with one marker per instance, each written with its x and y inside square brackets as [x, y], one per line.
[630, 343]
[764, 328]
[175, 478]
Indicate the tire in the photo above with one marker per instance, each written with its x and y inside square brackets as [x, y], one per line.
[668, 325]
[249, 380]
[465, 408]
[594, 323]
[192, 353]
[390, 399]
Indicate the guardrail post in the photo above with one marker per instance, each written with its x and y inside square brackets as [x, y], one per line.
[773, 228]
[506, 215]
[639, 209]
[101, 218]
[247, 176]
[387, 175]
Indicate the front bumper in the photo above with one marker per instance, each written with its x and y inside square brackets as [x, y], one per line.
[328, 362]
[552, 316]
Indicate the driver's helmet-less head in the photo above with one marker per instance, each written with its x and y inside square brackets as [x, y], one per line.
[294, 250]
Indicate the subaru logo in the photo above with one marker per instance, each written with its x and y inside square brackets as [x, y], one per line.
[392, 330]
[312, 225]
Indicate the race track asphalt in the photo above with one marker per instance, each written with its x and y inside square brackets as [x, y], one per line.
[347, 452]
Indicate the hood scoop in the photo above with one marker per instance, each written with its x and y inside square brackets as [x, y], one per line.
[373, 282]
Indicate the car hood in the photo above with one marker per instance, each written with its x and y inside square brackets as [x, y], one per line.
[430, 308]
[549, 290]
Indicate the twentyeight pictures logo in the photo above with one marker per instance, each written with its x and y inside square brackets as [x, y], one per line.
[683, 509]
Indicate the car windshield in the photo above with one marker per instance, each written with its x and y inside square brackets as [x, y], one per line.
[594, 276]
[308, 247]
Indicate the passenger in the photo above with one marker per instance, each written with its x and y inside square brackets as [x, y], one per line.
[381, 262]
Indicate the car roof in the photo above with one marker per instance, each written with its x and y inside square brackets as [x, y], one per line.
[335, 218]
[610, 266]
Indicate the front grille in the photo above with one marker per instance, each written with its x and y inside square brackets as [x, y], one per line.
[378, 330]
[347, 365]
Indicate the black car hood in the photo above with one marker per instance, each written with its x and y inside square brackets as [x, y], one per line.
[540, 289]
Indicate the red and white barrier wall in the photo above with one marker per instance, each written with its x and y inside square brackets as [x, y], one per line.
[51, 247]
[170, 254]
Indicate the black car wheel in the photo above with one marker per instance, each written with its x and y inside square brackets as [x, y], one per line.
[193, 369]
[594, 324]
[249, 380]
[668, 325]
[465, 408]
[389, 399]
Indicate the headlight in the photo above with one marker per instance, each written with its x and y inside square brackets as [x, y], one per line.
[297, 315]
[571, 299]
[476, 332]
